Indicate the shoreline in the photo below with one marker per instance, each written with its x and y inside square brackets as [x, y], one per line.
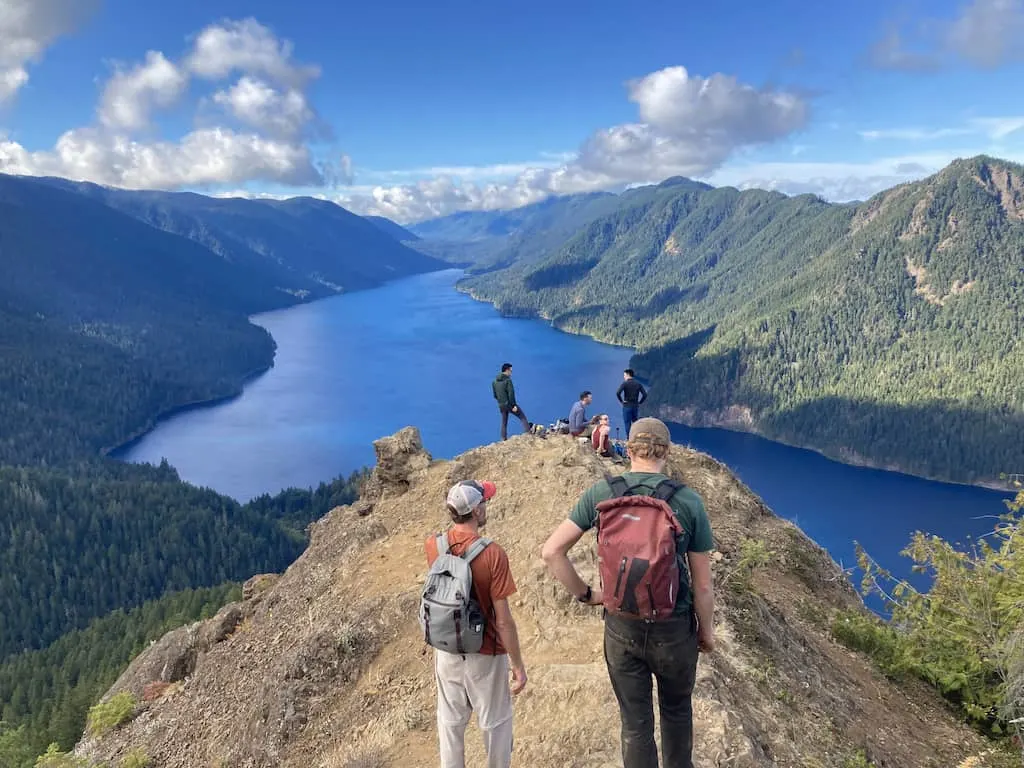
[855, 460]
[168, 413]
[194, 405]
[672, 413]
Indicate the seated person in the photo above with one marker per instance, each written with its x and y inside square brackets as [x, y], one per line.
[600, 437]
[578, 414]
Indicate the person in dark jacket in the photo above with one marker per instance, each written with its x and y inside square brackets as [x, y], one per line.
[505, 394]
[631, 394]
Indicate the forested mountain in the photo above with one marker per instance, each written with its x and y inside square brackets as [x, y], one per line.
[388, 227]
[888, 331]
[487, 240]
[45, 694]
[108, 318]
[302, 246]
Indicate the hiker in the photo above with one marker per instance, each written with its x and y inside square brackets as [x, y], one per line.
[600, 437]
[657, 621]
[476, 641]
[505, 394]
[578, 414]
[631, 394]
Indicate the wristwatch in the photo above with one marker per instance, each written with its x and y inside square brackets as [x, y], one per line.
[586, 595]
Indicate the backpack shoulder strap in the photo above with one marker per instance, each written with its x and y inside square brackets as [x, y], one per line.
[475, 549]
[618, 485]
[442, 544]
[667, 488]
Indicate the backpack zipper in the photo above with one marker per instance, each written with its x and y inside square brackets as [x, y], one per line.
[618, 581]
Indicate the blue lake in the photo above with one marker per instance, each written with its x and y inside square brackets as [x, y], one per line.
[354, 368]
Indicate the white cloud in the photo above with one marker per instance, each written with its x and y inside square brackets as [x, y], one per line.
[913, 134]
[1000, 127]
[690, 125]
[204, 157]
[994, 128]
[131, 94]
[842, 181]
[257, 104]
[246, 46]
[989, 32]
[269, 146]
[890, 52]
[27, 28]
[985, 33]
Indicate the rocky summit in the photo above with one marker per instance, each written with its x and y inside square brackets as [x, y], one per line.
[324, 665]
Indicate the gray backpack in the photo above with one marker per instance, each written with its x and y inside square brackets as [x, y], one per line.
[450, 615]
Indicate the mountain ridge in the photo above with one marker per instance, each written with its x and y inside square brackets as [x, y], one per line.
[911, 299]
[350, 682]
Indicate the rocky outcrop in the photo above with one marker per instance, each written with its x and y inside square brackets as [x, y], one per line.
[326, 666]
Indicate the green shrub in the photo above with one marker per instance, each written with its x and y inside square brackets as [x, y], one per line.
[965, 634]
[137, 758]
[110, 714]
[54, 758]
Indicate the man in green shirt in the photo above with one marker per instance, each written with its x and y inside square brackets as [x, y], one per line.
[636, 649]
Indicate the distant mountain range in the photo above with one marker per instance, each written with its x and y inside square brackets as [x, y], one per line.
[889, 332]
[117, 305]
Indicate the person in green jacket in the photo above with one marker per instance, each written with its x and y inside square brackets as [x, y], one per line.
[505, 394]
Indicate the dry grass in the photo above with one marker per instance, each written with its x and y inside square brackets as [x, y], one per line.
[330, 670]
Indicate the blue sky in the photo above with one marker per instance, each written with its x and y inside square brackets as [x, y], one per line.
[414, 109]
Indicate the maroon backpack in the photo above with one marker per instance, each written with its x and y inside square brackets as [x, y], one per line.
[636, 551]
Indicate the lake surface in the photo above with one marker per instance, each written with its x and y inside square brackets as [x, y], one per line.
[354, 368]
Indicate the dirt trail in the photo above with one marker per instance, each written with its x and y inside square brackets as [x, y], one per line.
[323, 666]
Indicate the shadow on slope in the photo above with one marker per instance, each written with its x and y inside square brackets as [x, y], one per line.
[940, 439]
[325, 665]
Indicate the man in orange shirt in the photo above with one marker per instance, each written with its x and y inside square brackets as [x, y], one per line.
[479, 682]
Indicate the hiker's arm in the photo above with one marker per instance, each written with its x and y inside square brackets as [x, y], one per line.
[703, 594]
[556, 555]
[618, 393]
[505, 625]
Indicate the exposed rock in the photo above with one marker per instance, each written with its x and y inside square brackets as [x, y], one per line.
[399, 458]
[327, 667]
[363, 508]
[257, 585]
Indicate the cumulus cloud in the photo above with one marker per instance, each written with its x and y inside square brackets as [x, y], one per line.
[131, 94]
[256, 104]
[984, 33]
[689, 125]
[268, 102]
[246, 46]
[209, 156]
[27, 28]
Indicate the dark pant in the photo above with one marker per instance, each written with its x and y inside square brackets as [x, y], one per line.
[630, 413]
[634, 650]
[504, 420]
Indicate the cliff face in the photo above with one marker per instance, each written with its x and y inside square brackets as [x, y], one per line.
[324, 665]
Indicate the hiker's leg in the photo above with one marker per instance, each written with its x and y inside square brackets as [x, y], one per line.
[672, 654]
[504, 423]
[522, 419]
[630, 413]
[631, 681]
[487, 682]
[605, 441]
[453, 708]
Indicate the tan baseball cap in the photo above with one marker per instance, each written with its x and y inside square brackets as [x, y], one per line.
[650, 429]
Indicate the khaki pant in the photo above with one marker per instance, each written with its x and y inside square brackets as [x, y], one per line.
[467, 684]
